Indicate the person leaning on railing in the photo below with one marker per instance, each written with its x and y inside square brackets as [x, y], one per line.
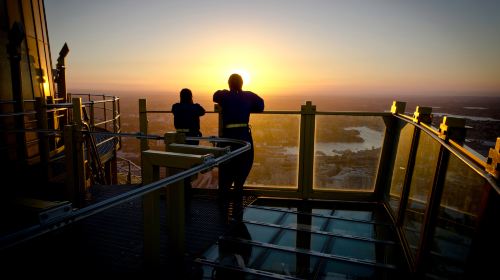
[187, 120]
[187, 116]
[236, 105]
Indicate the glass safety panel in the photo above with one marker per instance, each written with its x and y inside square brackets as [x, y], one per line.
[420, 187]
[347, 152]
[464, 194]
[400, 164]
[276, 144]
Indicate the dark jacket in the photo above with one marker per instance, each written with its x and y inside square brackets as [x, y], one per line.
[237, 106]
[187, 116]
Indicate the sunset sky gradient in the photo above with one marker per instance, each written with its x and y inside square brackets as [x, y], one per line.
[286, 46]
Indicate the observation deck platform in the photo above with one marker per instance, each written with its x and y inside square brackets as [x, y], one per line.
[276, 239]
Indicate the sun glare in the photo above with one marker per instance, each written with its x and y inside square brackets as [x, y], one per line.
[244, 74]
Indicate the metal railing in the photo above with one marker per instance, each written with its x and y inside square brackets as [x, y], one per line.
[73, 215]
[428, 188]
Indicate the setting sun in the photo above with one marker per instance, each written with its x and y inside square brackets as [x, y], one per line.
[243, 73]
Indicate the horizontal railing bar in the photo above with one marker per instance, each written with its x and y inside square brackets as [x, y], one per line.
[97, 101]
[350, 113]
[356, 113]
[60, 105]
[103, 122]
[56, 110]
[18, 114]
[7, 101]
[129, 161]
[91, 94]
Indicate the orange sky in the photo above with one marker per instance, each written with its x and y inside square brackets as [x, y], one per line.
[287, 47]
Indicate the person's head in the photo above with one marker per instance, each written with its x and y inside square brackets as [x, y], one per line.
[186, 96]
[235, 82]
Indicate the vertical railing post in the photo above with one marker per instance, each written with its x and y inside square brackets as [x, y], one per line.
[77, 111]
[105, 113]
[175, 203]
[75, 164]
[151, 215]
[119, 128]
[113, 168]
[92, 116]
[129, 175]
[388, 153]
[114, 115]
[78, 151]
[493, 161]
[143, 124]
[306, 149]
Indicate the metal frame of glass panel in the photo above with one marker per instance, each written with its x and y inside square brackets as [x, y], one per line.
[315, 259]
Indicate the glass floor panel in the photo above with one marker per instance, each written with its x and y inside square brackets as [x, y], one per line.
[319, 243]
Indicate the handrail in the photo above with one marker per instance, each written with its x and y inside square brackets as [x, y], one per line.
[85, 212]
[7, 101]
[213, 112]
[60, 105]
[287, 112]
[90, 94]
[355, 113]
[468, 158]
[98, 101]
[18, 114]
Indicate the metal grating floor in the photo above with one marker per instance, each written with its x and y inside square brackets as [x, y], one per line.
[111, 242]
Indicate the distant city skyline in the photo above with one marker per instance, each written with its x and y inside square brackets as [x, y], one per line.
[285, 46]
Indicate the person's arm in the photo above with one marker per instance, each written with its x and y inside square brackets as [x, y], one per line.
[201, 110]
[257, 104]
[219, 95]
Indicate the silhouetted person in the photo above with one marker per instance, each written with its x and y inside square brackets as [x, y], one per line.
[187, 115]
[236, 106]
[187, 120]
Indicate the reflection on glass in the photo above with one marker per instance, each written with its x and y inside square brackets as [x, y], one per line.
[345, 270]
[351, 228]
[353, 248]
[276, 143]
[262, 215]
[353, 214]
[464, 194]
[347, 152]
[420, 187]
[400, 165]
[311, 250]
[283, 263]
[262, 233]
